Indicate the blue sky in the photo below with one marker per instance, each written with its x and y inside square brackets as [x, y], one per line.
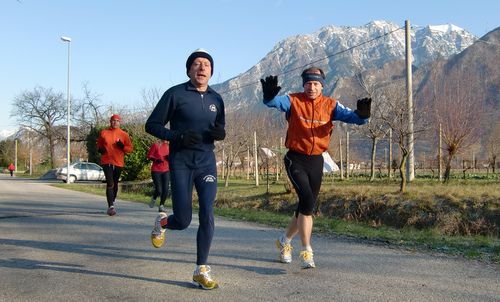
[123, 47]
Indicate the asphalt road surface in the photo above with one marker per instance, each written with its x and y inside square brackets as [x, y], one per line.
[59, 245]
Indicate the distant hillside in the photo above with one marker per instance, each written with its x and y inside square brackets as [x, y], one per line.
[478, 66]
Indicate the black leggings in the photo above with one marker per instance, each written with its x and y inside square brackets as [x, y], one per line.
[305, 173]
[112, 174]
[161, 182]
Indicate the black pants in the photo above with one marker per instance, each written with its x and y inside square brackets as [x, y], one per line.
[305, 173]
[112, 174]
[161, 181]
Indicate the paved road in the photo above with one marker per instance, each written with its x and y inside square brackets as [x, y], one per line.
[58, 245]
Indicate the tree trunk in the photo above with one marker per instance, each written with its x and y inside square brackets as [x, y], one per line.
[52, 148]
[494, 163]
[226, 177]
[402, 170]
[372, 164]
[447, 171]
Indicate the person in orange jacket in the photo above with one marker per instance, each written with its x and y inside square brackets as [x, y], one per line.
[11, 169]
[160, 172]
[309, 115]
[113, 143]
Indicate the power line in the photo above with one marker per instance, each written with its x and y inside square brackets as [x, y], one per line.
[141, 110]
[321, 59]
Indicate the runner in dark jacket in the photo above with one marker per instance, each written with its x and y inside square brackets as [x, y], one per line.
[195, 113]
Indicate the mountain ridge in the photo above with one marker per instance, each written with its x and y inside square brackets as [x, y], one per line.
[335, 49]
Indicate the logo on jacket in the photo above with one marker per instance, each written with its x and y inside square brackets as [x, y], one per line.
[209, 178]
[212, 108]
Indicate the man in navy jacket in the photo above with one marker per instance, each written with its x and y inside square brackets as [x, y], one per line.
[195, 113]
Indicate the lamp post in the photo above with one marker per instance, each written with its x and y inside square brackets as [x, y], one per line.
[68, 140]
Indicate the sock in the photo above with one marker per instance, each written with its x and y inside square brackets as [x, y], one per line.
[198, 268]
[285, 240]
[309, 248]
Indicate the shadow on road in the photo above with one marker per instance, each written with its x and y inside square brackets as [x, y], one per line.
[112, 252]
[72, 268]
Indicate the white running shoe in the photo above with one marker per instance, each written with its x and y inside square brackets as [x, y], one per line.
[307, 259]
[202, 278]
[158, 233]
[111, 211]
[285, 251]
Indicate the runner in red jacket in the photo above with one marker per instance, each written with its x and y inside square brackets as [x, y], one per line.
[113, 143]
[160, 172]
[11, 169]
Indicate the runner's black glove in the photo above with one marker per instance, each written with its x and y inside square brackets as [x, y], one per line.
[120, 144]
[158, 161]
[101, 150]
[217, 132]
[270, 88]
[364, 108]
[189, 138]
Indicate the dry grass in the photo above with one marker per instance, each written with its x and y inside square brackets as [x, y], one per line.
[459, 208]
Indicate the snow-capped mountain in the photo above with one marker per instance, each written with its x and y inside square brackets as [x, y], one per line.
[7, 133]
[341, 51]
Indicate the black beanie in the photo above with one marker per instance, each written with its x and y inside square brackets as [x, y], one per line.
[199, 53]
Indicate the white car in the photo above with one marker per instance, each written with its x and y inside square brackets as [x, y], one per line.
[81, 171]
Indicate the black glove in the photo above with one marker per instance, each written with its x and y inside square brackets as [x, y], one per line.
[158, 161]
[101, 150]
[120, 144]
[364, 107]
[189, 138]
[217, 132]
[270, 88]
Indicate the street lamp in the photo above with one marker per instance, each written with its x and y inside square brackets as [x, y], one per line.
[68, 140]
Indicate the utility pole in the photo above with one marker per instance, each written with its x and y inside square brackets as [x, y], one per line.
[440, 161]
[409, 95]
[347, 154]
[248, 162]
[223, 162]
[15, 154]
[390, 154]
[30, 151]
[255, 158]
[341, 159]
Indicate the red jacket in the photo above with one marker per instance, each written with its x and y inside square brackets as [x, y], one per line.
[114, 155]
[11, 167]
[158, 153]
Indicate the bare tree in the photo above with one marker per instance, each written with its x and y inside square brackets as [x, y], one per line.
[240, 127]
[237, 140]
[493, 146]
[150, 98]
[393, 110]
[41, 110]
[377, 127]
[87, 111]
[458, 114]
